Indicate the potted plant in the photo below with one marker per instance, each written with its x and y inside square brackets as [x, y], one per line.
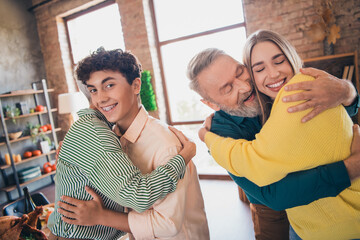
[11, 113]
[148, 98]
[37, 133]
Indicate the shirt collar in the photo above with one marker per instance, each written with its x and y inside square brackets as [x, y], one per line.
[89, 111]
[236, 119]
[137, 126]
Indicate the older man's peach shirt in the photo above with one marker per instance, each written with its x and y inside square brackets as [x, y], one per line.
[180, 215]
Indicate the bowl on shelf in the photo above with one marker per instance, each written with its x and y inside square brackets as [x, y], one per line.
[15, 135]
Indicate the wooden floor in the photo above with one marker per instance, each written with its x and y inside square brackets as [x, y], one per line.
[228, 217]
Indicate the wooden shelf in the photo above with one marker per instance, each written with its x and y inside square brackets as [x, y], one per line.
[31, 114]
[334, 64]
[23, 92]
[13, 187]
[40, 94]
[329, 57]
[2, 167]
[27, 137]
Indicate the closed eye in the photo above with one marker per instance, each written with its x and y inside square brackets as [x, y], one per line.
[258, 69]
[279, 59]
[280, 62]
[228, 89]
[239, 71]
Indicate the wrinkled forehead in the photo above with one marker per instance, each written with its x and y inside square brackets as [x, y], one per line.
[223, 69]
[221, 73]
[241, 67]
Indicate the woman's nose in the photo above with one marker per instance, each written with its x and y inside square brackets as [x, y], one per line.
[273, 72]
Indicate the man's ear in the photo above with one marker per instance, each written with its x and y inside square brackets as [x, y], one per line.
[136, 85]
[210, 104]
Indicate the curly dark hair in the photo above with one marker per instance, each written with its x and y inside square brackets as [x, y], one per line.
[115, 60]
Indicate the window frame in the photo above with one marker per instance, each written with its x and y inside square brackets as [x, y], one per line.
[79, 14]
[159, 44]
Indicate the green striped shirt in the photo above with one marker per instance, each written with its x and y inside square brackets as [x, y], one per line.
[91, 155]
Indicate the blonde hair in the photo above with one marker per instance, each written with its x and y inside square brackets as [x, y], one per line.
[288, 50]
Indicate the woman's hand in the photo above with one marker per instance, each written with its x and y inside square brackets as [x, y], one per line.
[205, 127]
[189, 148]
[327, 91]
[79, 212]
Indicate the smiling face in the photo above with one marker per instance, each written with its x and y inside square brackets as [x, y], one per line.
[114, 97]
[270, 67]
[227, 83]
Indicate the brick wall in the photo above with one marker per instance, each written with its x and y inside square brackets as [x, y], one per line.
[292, 19]
[135, 25]
[54, 45]
[55, 48]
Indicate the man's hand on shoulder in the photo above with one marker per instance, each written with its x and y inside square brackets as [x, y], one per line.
[327, 91]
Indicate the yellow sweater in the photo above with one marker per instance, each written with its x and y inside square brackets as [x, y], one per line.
[286, 145]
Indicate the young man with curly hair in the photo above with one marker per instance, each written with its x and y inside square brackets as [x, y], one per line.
[91, 154]
[113, 81]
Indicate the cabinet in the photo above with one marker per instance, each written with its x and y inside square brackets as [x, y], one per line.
[335, 65]
[40, 94]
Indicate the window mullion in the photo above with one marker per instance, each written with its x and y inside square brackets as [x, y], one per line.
[238, 25]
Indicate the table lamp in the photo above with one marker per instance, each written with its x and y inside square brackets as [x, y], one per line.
[71, 103]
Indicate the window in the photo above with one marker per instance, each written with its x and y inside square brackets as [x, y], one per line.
[93, 28]
[184, 28]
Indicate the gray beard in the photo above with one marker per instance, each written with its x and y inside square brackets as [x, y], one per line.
[243, 111]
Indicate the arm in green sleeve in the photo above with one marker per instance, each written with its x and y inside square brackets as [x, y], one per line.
[299, 188]
[116, 177]
[352, 109]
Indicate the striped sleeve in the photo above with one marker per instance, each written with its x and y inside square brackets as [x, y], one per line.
[116, 177]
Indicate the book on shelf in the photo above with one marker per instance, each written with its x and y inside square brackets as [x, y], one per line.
[351, 72]
[345, 73]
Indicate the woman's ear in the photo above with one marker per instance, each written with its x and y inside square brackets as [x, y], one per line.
[210, 104]
[136, 85]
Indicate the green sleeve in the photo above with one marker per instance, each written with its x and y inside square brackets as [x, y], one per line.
[299, 188]
[117, 178]
[352, 109]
